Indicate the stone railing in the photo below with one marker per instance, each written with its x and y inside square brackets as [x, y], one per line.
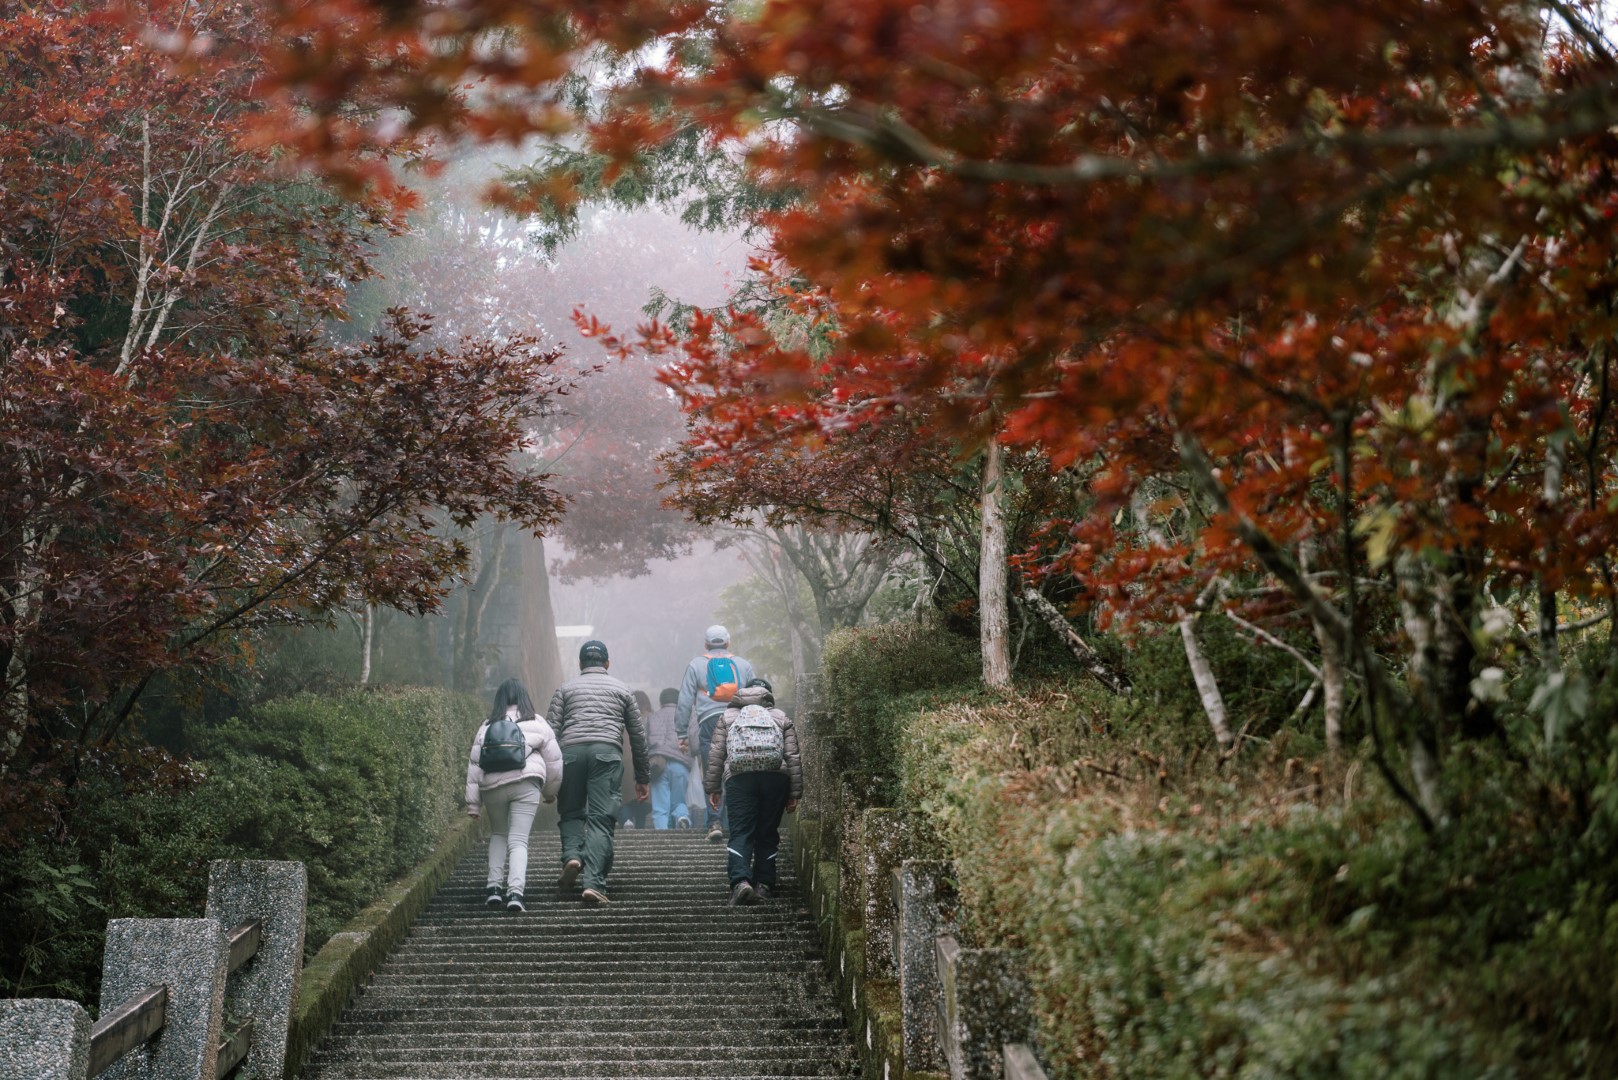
[921, 1005]
[168, 985]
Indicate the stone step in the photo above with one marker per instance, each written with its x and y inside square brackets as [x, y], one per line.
[521, 1029]
[574, 1065]
[782, 1053]
[665, 982]
[617, 1020]
[574, 996]
[584, 1070]
[494, 979]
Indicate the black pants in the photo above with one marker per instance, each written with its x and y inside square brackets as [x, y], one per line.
[755, 801]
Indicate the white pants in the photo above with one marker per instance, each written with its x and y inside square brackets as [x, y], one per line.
[510, 809]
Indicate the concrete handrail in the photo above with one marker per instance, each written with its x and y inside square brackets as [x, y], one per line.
[164, 986]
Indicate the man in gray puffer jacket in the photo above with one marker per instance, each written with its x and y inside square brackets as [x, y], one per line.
[589, 715]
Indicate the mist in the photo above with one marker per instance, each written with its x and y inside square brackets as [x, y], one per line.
[642, 578]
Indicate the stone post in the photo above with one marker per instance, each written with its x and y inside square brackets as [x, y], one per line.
[267, 988]
[985, 1004]
[884, 842]
[1021, 1064]
[850, 860]
[44, 1039]
[191, 958]
[925, 906]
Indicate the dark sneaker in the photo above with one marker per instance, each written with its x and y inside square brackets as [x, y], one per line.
[570, 874]
[741, 894]
[496, 897]
[593, 896]
[514, 903]
[715, 833]
[764, 893]
[683, 823]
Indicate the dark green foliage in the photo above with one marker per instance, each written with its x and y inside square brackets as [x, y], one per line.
[1275, 915]
[866, 673]
[1261, 684]
[357, 786]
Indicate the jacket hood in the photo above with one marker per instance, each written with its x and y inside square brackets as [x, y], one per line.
[752, 695]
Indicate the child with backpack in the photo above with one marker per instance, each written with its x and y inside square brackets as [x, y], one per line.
[754, 764]
[515, 763]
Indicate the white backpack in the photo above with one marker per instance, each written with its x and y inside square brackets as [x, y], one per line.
[754, 742]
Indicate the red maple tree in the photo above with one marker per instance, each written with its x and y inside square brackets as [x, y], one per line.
[187, 456]
[1341, 274]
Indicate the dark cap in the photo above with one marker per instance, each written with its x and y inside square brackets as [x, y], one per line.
[592, 654]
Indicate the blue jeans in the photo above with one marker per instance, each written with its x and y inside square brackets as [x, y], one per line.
[705, 730]
[668, 795]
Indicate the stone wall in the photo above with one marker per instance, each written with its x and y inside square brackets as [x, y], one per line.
[922, 1006]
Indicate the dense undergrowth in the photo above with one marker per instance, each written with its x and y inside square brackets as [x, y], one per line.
[1270, 914]
[358, 786]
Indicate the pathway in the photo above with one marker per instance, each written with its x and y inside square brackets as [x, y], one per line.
[664, 982]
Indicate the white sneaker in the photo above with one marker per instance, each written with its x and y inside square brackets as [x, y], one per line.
[683, 823]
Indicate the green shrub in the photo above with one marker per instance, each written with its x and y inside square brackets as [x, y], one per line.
[1274, 915]
[357, 786]
[1261, 685]
[870, 679]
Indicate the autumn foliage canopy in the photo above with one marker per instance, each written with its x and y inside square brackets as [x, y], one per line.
[1313, 296]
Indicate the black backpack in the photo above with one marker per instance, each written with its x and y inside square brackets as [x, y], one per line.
[505, 748]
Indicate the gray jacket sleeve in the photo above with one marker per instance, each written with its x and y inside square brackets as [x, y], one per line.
[793, 765]
[551, 754]
[713, 778]
[635, 724]
[690, 686]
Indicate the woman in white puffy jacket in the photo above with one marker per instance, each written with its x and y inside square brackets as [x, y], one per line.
[511, 796]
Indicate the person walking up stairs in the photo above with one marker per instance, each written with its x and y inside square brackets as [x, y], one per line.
[590, 715]
[754, 762]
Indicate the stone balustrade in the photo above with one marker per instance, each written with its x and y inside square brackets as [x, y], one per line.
[167, 986]
[922, 1006]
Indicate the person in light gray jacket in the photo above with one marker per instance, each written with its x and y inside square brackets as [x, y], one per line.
[512, 796]
[697, 700]
[590, 715]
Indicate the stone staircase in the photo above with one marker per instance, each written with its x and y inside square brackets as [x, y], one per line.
[663, 982]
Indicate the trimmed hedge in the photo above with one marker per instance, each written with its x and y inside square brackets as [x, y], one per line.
[1275, 916]
[358, 786]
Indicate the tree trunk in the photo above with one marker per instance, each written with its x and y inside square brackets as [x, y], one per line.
[1093, 661]
[1550, 653]
[994, 615]
[1331, 684]
[1213, 702]
[1416, 605]
[366, 637]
